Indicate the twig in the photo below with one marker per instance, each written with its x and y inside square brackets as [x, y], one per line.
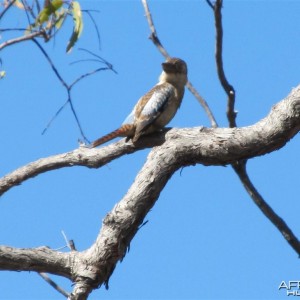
[203, 103]
[12, 29]
[154, 38]
[88, 74]
[6, 8]
[210, 4]
[76, 117]
[228, 88]
[53, 284]
[95, 25]
[240, 169]
[100, 59]
[70, 243]
[54, 117]
[68, 88]
[23, 38]
[51, 64]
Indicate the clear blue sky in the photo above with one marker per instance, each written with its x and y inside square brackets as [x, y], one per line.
[205, 239]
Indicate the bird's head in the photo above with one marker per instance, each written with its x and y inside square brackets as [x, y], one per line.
[174, 71]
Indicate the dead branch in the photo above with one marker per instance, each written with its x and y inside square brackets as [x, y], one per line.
[215, 146]
[177, 148]
[228, 88]
[54, 285]
[27, 37]
[240, 166]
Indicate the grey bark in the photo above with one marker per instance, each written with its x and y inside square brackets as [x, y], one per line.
[172, 150]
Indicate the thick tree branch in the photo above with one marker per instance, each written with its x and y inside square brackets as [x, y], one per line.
[182, 147]
[215, 146]
[40, 259]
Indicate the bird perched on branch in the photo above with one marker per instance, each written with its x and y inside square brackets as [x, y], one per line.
[156, 108]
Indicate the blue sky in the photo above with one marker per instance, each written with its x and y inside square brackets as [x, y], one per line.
[205, 239]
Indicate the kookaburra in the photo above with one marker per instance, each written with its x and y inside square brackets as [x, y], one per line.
[156, 108]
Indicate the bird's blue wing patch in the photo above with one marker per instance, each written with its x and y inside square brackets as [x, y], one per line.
[130, 118]
[157, 101]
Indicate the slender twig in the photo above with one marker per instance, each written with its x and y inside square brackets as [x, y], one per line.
[38, 7]
[23, 38]
[240, 169]
[154, 38]
[55, 116]
[84, 60]
[210, 4]
[70, 86]
[88, 12]
[51, 64]
[6, 8]
[28, 8]
[70, 243]
[53, 284]
[88, 74]
[203, 103]
[76, 117]
[228, 88]
[13, 29]
[100, 59]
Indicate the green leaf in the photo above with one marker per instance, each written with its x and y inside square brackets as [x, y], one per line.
[49, 8]
[60, 18]
[78, 25]
[2, 74]
[19, 4]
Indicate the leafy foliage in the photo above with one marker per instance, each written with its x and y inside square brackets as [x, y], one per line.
[78, 25]
[51, 18]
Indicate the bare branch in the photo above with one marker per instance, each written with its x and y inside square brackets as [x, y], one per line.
[54, 285]
[95, 24]
[228, 88]
[210, 4]
[76, 117]
[204, 104]
[87, 74]
[70, 243]
[240, 167]
[154, 38]
[54, 69]
[219, 146]
[177, 148]
[41, 259]
[266, 209]
[3, 12]
[23, 38]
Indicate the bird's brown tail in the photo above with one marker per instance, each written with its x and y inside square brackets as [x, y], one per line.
[124, 130]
